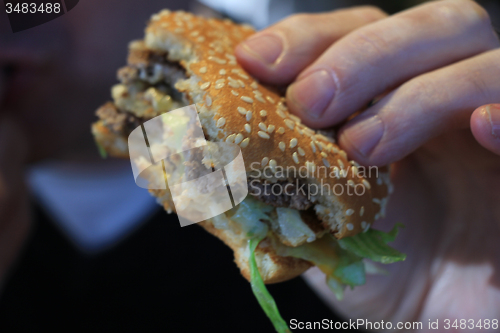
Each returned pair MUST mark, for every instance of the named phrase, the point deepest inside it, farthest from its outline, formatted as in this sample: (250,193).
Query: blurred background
(100,254)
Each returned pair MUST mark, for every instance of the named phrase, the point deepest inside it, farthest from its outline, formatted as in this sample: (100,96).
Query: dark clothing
(161,278)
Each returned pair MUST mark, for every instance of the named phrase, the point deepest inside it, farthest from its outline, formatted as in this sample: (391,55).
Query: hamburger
(275,235)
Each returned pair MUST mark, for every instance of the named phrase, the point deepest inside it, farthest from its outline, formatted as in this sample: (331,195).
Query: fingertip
(485,126)
(260,54)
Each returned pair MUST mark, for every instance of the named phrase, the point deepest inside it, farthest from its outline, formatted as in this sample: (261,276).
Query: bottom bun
(272,267)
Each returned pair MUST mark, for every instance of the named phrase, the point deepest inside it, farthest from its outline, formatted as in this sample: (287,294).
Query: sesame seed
(366,183)
(299,131)
(367,227)
(361,212)
(263,113)
(270,99)
(238,138)
(295,158)
(340,163)
(377,201)
(260,99)
(243,76)
(335,150)
(353,162)
(377,216)
(203,70)
(234,93)
(323,154)
(178,30)
(313,147)
(293,143)
(249,115)
(308,131)
(363,224)
(350,226)
(230,138)
(233,84)
(217,60)
(242,110)
(232,62)
(219,85)
(343,154)
(220,81)
(379,181)
(270,128)
(248,128)
(295,118)
(280,113)
(245,142)
(264,161)
(349,212)
(247,99)
(281,130)
(241,83)
(221,121)
(272,163)
(230,56)
(205,85)
(281,145)
(290,123)
(326,163)
(321,145)
(263,135)
(254,85)
(350,182)
(262,126)
(222,71)
(301,151)
(208,100)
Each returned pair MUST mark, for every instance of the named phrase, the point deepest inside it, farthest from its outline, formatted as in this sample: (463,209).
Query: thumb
(485,126)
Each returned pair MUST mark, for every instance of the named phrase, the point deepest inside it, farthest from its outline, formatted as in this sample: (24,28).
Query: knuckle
(464,11)
(480,88)
(371,42)
(421,91)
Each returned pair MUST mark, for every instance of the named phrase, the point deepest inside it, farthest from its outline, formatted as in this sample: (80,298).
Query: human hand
(434,70)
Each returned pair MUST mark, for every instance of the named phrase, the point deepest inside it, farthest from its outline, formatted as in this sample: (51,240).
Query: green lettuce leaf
(101,149)
(373,245)
(259,289)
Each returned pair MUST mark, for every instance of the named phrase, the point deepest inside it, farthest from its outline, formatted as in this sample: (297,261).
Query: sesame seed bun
(229,99)
(196,56)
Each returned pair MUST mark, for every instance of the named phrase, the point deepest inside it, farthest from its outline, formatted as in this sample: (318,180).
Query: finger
(485,126)
(277,54)
(421,109)
(386,53)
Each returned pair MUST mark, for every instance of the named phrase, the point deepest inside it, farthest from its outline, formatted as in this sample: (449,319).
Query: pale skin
(434,70)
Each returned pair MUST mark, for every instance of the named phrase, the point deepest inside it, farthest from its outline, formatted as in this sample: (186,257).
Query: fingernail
(313,93)
(364,133)
(494,119)
(266,48)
